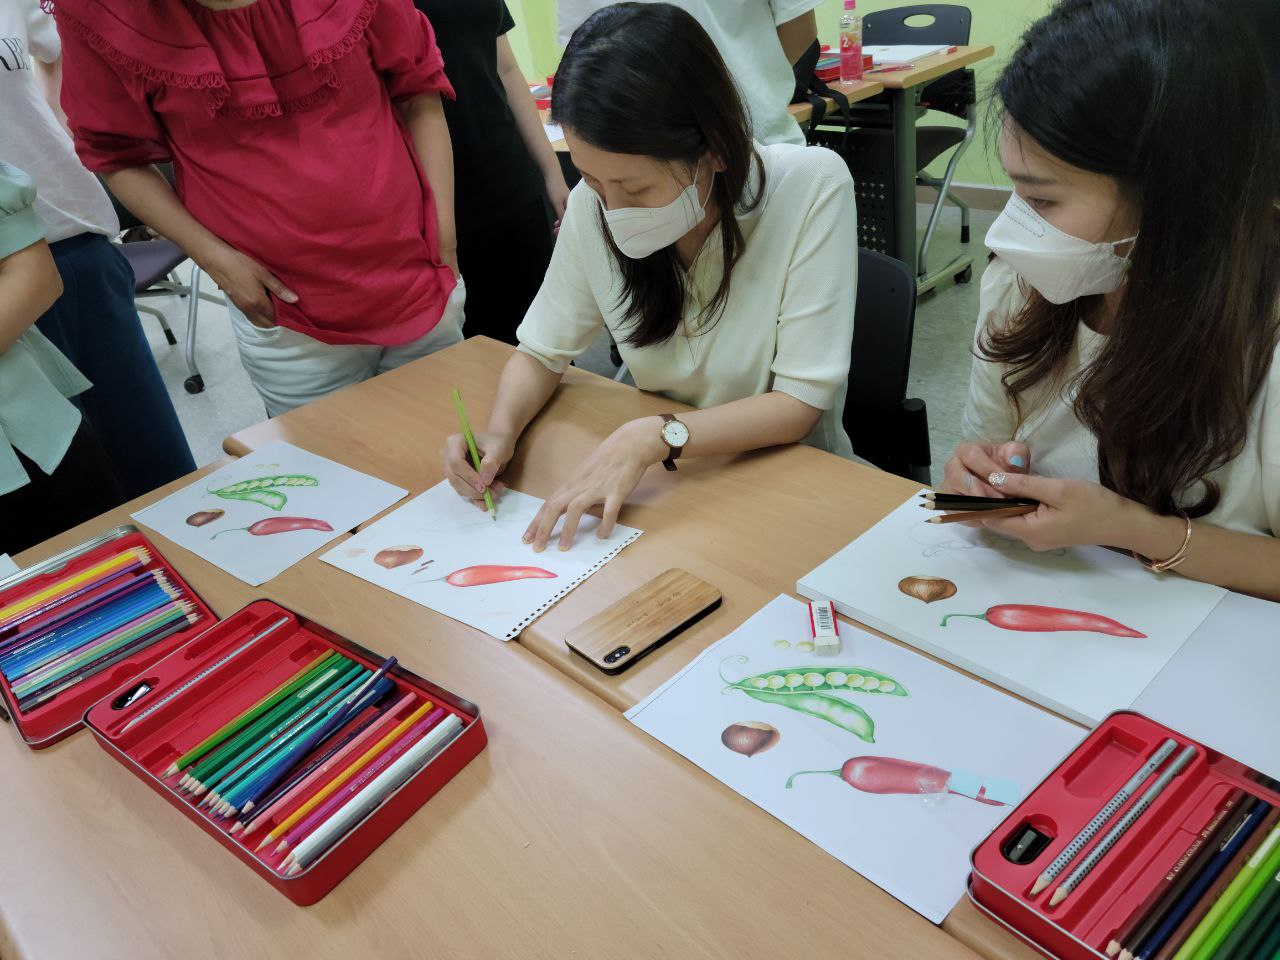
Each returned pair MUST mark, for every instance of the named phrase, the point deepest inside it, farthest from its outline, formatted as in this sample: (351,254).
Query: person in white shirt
(1127,361)
(94,323)
(759,41)
(724,269)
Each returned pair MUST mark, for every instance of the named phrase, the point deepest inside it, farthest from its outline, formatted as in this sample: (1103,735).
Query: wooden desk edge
(939,65)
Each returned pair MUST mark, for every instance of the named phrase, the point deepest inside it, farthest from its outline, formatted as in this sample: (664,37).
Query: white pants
(289,369)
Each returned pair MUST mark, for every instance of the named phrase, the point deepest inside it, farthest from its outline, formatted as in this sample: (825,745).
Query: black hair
(1169,98)
(645,79)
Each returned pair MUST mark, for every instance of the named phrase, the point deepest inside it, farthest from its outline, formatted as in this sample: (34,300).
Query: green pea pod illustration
(263,489)
(846,716)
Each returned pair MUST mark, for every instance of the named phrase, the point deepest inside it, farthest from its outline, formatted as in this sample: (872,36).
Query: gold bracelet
(1162,566)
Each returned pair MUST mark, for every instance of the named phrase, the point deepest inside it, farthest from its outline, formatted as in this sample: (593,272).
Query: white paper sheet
(421,550)
(554,133)
(1083,675)
(237,539)
(914,838)
(7,566)
(1234,660)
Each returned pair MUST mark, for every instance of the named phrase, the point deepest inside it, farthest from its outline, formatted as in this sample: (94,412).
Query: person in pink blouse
(312,168)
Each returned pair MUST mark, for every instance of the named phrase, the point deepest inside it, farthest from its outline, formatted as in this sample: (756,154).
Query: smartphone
(643,620)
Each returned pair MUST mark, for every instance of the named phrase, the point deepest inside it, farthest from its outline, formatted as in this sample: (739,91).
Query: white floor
(939,368)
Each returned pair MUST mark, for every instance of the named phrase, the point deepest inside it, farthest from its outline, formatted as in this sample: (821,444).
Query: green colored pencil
(1252,926)
(266,703)
(471,446)
(1191,947)
(270,750)
(1255,873)
(270,724)
(1270,947)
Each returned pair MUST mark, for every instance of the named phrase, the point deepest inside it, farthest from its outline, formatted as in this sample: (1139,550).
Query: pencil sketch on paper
(927,589)
(266,490)
(811,692)
(749,737)
(937,540)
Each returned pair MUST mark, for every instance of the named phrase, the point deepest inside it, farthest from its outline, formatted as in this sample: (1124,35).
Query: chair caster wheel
(965,275)
(194,384)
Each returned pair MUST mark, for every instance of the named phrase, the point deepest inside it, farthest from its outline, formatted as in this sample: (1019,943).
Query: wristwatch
(675,435)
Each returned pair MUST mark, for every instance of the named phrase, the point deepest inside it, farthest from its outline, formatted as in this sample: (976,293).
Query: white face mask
(1061,267)
(640,231)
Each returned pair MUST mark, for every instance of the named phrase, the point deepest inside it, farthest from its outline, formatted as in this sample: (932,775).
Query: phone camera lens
(617,655)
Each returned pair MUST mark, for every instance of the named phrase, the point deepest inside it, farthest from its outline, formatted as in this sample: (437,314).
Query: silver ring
(997,479)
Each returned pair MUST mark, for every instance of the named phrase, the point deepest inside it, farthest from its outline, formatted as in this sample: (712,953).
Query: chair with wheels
(154,263)
(955,93)
(886,427)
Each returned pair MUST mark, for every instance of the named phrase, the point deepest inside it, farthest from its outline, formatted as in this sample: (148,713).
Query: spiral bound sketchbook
(442,552)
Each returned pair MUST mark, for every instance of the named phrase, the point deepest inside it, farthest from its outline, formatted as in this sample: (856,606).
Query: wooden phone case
(643,620)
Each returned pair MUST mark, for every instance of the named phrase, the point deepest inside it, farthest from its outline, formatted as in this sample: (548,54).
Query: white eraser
(822,620)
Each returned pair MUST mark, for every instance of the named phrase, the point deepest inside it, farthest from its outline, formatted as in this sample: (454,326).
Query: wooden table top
(774,490)
(931,68)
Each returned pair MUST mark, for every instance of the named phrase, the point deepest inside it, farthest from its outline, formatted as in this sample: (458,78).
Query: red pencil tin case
(45,725)
(1080,927)
(181,721)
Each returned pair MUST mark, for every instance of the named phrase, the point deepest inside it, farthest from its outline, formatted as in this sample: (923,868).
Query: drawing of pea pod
(806,679)
(261,489)
(845,715)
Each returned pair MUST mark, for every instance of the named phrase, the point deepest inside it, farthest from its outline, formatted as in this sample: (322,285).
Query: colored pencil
(1225,931)
(964,500)
(84,601)
(1130,817)
(471,448)
(1211,895)
(343,794)
(313,773)
(134,556)
(349,771)
(237,722)
(1158,933)
(1103,816)
(1269,949)
(1255,922)
(968,515)
(1174,882)
(1197,944)
(261,753)
(372,796)
(49,693)
(296,753)
(203,674)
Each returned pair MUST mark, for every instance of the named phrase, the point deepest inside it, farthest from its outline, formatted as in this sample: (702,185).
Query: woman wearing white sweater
(724,269)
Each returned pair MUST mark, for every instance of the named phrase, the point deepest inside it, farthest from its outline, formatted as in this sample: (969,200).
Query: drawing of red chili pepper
(1032,619)
(265,528)
(889,775)
(483,575)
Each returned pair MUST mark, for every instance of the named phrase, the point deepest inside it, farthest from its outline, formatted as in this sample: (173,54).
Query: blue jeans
(96,325)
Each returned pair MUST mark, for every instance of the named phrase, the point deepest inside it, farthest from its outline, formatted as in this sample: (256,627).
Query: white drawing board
(914,765)
(263,513)
(440,551)
(1084,674)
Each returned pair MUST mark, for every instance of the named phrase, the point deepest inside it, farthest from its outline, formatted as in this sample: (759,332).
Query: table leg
(903,108)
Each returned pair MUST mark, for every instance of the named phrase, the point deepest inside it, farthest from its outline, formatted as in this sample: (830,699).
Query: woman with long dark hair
(724,269)
(1125,369)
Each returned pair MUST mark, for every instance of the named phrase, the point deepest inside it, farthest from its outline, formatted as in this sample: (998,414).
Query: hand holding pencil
(475,477)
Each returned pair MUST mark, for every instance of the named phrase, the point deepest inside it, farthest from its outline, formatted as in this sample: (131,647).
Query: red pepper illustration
(890,775)
(483,575)
(1032,619)
(264,528)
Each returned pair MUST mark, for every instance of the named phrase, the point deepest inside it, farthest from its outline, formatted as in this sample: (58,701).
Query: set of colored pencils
(312,757)
(958,508)
(58,636)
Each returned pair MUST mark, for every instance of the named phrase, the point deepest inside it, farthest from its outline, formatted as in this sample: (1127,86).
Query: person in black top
(505,172)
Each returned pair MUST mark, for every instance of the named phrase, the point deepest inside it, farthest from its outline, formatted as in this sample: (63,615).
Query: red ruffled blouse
(278,119)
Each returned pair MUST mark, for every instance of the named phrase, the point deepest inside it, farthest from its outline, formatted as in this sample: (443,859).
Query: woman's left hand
(1072,513)
(606,477)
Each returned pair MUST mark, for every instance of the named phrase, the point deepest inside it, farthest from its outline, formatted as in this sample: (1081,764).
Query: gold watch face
(675,433)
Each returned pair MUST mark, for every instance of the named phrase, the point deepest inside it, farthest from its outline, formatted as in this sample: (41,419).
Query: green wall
(997,22)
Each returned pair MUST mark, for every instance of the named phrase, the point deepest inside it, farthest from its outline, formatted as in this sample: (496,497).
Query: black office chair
(955,93)
(154,263)
(886,427)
